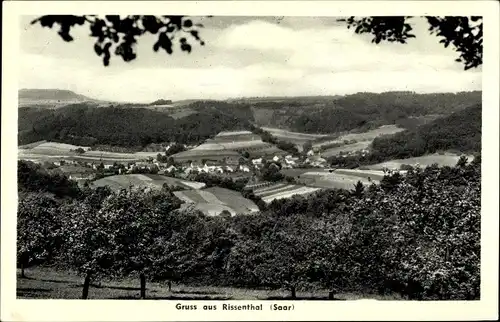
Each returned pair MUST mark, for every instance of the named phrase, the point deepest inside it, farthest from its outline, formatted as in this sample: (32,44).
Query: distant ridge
(51,94)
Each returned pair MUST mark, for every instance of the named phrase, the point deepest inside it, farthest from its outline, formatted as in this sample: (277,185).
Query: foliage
(32,177)
(417,234)
(86,125)
(362,111)
(464,33)
(39,233)
(121,33)
(459,131)
(113,31)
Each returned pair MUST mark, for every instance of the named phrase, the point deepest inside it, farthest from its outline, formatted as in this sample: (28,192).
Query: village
(232,167)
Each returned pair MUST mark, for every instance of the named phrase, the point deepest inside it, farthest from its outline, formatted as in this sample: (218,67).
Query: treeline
(85,125)
(460,131)
(365,110)
(417,235)
(269,138)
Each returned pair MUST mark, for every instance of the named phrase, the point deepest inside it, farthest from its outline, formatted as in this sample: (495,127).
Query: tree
(307,147)
(120,34)
(359,189)
(39,233)
(464,33)
(89,242)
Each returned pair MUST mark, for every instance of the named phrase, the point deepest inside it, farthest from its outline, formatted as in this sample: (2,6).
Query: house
(108,166)
(170,169)
(310,153)
(257,161)
(229,169)
(290,162)
(276,158)
(244,168)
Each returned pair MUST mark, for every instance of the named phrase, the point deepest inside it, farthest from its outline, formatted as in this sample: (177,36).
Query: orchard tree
(135,217)
(39,231)
(89,246)
(118,35)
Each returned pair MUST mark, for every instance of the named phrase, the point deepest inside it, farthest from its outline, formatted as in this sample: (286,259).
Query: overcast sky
(246,56)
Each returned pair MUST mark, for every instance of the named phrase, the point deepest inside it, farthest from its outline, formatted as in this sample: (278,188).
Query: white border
(108,310)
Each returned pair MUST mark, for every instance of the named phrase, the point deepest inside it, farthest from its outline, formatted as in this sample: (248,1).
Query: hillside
(366,110)
(51,98)
(51,94)
(460,131)
(87,125)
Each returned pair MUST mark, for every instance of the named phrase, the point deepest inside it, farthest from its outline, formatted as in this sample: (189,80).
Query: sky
(245,57)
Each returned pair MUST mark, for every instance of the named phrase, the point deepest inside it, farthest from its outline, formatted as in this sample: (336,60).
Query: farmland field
(47,151)
(212,201)
(340,178)
(153,181)
(229,144)
(296,138)
(364,136)
(447,159)
(363,139)
(282,190)
(346,148)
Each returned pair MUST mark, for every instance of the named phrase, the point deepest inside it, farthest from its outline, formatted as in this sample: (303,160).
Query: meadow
(49,283)
(445,159)
(282,190)
(363,140)
(340,178)
(153,181)
(212,201)
(52,151)
(229,144)
(296,138)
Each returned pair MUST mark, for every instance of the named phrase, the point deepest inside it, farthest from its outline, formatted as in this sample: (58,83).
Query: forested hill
(361,109)
(83,124)
(459,131)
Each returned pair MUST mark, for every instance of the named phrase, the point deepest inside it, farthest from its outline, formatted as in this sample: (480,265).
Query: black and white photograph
(265,160)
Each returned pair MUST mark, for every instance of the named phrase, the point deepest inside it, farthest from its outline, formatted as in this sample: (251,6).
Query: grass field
(296,138)
(282,191)
(363,136)
(52,151)
(447,159)
(363,139)
(346,148)
(153,181)
(212,201)
(229,144)
(339,178)
(46,283)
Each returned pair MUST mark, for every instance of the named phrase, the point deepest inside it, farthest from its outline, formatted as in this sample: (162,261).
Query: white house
(257,161)
(244,168)
(229,169)
(310,153)
(171,168)
(276,158)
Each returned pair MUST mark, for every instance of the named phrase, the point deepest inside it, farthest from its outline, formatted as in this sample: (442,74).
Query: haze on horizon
(246,57)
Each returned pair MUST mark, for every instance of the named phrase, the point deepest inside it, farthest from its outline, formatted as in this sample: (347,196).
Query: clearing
(446,159)
(212,201)
(330,178)
(53,151)
(153,181)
